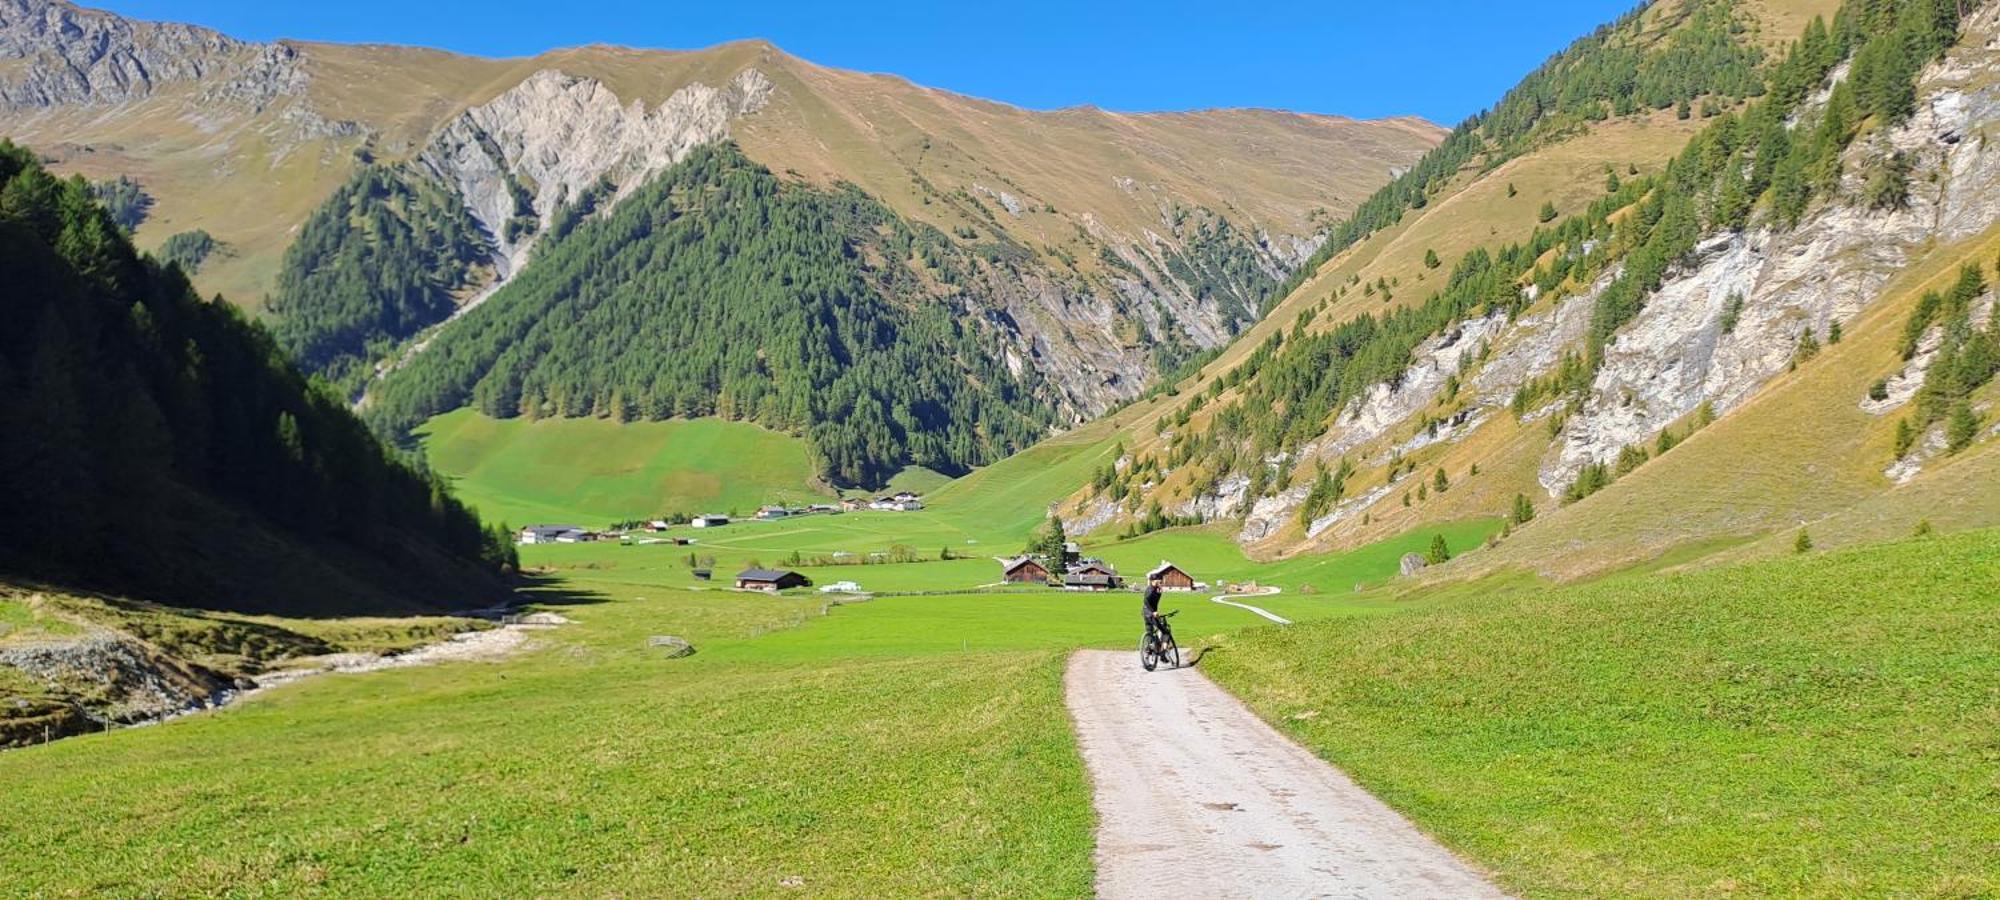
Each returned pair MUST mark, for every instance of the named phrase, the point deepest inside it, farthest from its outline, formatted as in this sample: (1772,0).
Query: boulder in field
(1413,563)
(674,647)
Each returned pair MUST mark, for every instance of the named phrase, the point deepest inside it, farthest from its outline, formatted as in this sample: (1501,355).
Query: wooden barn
(770,580)
(1024,570)
(1172,577)
(1078,581)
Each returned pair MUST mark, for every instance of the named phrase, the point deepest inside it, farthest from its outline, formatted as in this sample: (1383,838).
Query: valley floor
(1819,724)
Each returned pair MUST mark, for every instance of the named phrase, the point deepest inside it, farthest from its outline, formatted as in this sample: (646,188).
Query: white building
(709,521)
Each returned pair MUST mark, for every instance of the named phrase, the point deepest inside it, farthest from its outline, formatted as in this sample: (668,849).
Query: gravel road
(1197,797)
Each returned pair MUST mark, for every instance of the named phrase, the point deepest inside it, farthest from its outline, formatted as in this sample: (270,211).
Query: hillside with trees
(384,257)
(163,447)
(1312,429)
(720,289)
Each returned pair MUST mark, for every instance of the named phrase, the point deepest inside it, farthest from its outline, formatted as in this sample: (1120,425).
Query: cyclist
(1151,609)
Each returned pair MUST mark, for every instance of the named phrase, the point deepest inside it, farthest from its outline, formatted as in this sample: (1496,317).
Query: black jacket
(1152,599)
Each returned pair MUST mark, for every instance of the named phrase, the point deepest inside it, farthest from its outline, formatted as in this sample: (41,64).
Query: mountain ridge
(1089,205)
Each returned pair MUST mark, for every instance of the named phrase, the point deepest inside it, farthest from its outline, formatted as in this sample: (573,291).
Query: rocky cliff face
(519,157)
(55,54)
(1677,354)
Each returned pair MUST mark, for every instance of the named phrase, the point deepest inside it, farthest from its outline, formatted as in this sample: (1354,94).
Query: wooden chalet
(1172,577)
(1024,570)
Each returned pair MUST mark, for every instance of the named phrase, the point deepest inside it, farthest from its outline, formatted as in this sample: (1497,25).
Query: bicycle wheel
(1170,653)
(1147,659)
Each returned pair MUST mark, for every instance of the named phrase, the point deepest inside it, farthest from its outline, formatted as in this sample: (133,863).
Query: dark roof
(764,575)
(1012,564)
(1087,580)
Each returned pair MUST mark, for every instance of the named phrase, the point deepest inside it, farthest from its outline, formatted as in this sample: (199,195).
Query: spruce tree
(1524,510)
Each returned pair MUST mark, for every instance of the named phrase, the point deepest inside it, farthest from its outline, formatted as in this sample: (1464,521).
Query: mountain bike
(1157,645)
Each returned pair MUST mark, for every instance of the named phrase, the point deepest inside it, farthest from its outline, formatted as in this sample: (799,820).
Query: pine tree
(1962,428)
(1548,213)
(1524,510)
(1440,552)
(1802,543)
(1439,482)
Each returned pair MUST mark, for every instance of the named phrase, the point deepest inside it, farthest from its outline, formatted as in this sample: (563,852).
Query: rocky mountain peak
(54,53)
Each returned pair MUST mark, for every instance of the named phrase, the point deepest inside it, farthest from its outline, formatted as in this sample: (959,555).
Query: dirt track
(1197,797)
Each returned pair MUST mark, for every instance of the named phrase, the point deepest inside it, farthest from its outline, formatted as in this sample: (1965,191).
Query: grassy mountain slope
(1440,404)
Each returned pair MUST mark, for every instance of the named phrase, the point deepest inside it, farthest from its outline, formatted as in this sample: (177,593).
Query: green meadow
(902,745)
(1818,725)
(1821,724)
(594,471)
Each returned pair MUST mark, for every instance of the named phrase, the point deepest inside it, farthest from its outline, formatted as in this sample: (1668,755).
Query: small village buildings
(1172,577)
(853,504)
(1081,581)
(1091,575)
(1094,567)
(554,534)
(772,580)
(772,513)
(657,525)
(841,587)
(1024,570)
(1072,551)
(709,521)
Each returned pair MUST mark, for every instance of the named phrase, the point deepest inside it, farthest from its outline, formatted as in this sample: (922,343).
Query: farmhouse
(770,580)
(1024,570)
(1079,581)
(852,504)
(710,521)
(1096,568)
(770,513)
(553,534)
(1172,577)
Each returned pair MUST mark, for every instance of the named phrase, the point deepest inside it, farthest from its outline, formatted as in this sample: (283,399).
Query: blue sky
(1442,60)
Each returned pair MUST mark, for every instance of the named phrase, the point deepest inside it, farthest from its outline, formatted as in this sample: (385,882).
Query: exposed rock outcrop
(1676,354)
(125,680)
(546,141)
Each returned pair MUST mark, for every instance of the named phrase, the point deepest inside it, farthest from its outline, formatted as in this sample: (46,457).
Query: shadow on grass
(548,590)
